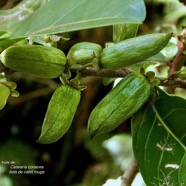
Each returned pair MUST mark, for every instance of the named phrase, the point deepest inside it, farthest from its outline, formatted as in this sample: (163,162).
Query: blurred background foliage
(74,160)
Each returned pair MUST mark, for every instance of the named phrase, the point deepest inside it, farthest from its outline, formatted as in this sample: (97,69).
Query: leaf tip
(43,139)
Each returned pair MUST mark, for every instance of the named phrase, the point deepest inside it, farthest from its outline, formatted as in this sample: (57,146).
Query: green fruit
(4,94)
(82,53)
(37,60)
(133,50)
(119,104)
(60,113)
(120,33)
(124,31)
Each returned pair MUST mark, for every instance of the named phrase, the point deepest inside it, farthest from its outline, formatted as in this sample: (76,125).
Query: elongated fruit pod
(36,60)
(120,33)
(4,94)
(124,31)
(60,113)
(119,104)
(83,52)
(133,50)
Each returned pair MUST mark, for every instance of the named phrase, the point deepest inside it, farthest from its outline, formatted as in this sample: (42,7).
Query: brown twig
(176,82)
(180,58)
(130,174)
(89,71)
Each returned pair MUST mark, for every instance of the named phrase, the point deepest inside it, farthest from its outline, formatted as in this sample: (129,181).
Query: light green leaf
(64,16)
(10,18)
(159,141)
(156,59)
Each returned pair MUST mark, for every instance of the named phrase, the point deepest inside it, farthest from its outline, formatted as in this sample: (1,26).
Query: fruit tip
(92,134)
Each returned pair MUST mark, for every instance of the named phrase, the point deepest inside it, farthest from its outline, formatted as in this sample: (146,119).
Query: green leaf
(10,18)
(159,140)
(64,16)
(171,49)
(158,58)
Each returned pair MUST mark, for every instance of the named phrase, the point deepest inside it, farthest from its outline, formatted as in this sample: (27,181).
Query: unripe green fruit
(133,50)
(4,94)
(36,60)
(119,104)
(82,53)
(60,113)
(124,31)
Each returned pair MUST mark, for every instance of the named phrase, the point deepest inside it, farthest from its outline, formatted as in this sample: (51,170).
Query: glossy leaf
(159,140)
(64,16)
(159,58)
(10,18)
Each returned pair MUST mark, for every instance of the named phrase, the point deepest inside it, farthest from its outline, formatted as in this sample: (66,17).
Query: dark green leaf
(64,16)
(159,140)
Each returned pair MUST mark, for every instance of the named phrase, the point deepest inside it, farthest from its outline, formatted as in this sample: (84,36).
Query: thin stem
(173,82)
(119,73)
(89,71)
(130,174)
(180,58)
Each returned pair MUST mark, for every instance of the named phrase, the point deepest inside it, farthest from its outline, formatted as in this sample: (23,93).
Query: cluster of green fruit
(117,106)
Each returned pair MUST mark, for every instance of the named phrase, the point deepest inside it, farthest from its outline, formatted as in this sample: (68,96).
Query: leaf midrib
(169,131)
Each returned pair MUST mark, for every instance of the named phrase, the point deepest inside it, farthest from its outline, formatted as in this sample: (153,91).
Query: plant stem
(119,73)
(180,58)
(130,174)
(173,83)
(89,71)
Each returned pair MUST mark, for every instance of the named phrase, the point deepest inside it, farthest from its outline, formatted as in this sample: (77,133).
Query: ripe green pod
(82,53)
(124,31)
(119,104)
(133,50)
(36,60)
(60,113)
(4,94)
